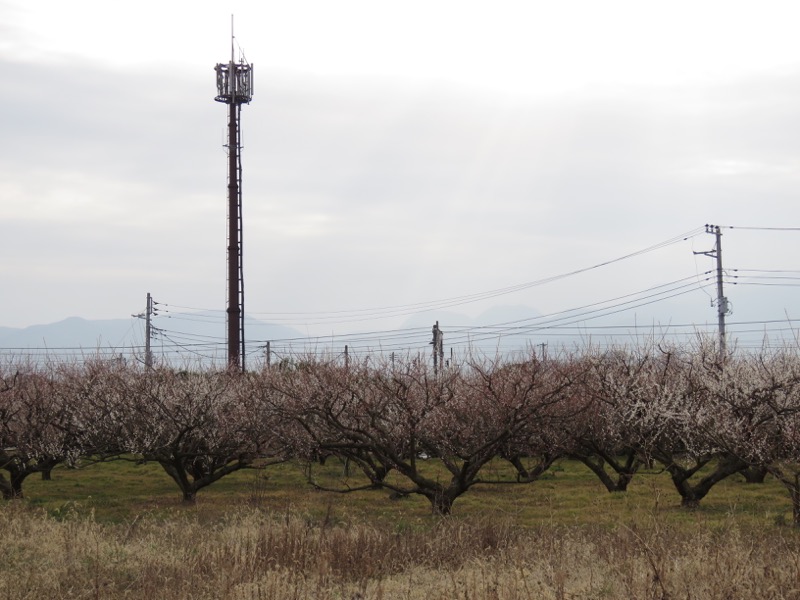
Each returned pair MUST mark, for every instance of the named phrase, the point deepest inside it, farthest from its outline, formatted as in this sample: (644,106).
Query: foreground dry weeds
(256,555)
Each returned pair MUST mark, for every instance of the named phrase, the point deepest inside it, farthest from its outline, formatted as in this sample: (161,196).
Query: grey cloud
(367,195)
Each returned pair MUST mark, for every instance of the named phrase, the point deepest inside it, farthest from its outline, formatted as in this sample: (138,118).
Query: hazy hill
(79,333)
(73,332)
(495,315)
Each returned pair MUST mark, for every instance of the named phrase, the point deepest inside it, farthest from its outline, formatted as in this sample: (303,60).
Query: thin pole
(722,301)
(148,354)
(438,348)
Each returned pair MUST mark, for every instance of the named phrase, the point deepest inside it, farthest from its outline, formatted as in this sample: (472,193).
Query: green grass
(568,494)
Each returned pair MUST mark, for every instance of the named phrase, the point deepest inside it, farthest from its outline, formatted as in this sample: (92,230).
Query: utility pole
(543,348)
(148,331)
(723,308)
(438,347)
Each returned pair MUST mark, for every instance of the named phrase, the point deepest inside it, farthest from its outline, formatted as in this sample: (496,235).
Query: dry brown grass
(253,554)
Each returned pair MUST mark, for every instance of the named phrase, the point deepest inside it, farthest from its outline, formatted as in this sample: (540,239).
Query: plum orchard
(613,409)
(397,416)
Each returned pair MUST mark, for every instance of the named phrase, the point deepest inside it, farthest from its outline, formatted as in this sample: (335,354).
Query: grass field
(568,494)
(119,530)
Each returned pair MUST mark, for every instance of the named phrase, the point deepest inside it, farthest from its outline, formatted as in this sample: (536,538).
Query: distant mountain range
(75,333)
(202,335)
(79,333)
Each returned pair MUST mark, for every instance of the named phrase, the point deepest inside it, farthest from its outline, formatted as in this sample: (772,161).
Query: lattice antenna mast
(234,88)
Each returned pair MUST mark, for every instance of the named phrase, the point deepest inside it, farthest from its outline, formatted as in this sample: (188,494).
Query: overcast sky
(399,154)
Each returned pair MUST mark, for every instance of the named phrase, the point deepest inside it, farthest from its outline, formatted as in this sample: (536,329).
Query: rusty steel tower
(234,88)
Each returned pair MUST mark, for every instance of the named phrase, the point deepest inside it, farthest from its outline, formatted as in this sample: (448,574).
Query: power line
(457,335)
(751,228)
(402,338)
(366,314)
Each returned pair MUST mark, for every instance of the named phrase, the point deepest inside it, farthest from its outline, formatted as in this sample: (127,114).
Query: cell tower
(234,88)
